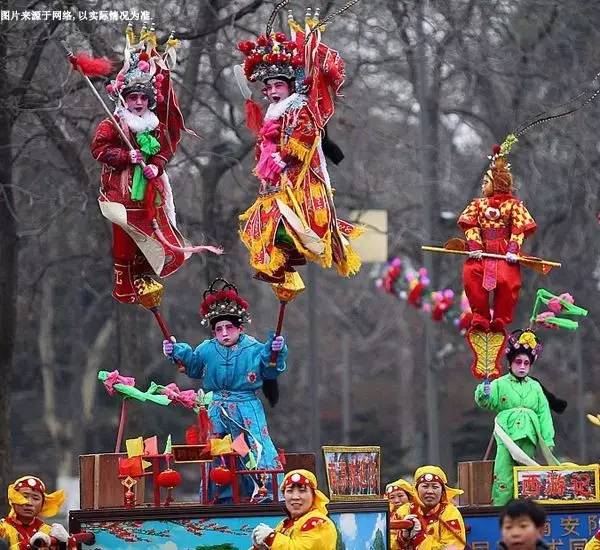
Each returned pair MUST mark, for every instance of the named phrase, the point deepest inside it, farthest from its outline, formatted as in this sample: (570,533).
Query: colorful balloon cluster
(405,283)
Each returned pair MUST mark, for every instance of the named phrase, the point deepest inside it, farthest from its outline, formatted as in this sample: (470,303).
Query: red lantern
(169,478)
(221,476)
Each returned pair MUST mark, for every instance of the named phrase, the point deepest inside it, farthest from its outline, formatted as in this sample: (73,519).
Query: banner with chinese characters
(567,527)
(557,484)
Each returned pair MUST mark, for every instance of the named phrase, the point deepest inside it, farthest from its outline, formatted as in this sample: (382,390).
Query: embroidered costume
(440,527)
(294,218)
(234,374)
(524,420)
(496,224)
(130,200)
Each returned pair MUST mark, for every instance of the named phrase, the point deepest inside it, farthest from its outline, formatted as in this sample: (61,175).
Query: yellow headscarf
(52,501)
(400,484)
(304,477)
(435,473)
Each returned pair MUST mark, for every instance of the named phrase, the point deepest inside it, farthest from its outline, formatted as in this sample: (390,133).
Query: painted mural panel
(356,531)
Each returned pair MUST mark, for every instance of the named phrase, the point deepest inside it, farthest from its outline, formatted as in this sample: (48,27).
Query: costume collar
(137,124)
(276,110)
(517,379)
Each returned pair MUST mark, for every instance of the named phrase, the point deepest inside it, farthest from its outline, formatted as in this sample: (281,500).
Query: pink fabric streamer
(543,317)
(115,378)
(267,168)
(554,304)
(184,249)
(185,398)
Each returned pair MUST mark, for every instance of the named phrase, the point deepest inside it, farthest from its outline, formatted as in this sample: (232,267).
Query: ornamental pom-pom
(159,78)
(262,40)
(496,149)
(246,46)
(281,37)
(144,57)
(144,66)
(289,45)
(110,89)
(91,66)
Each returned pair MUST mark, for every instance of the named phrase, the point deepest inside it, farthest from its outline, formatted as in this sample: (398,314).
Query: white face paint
(276,90)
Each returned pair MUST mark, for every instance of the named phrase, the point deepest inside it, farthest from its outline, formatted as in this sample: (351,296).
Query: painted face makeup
(276,90)
(137,103)
(521,365)
(226,333)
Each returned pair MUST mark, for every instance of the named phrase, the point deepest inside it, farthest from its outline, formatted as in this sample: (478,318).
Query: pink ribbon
(186,398)
(115,378)
(267,168)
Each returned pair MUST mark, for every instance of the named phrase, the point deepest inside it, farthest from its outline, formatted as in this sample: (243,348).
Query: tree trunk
(8,271)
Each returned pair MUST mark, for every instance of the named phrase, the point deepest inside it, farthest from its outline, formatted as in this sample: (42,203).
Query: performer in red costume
(135,192)
(497,223)
(294,218)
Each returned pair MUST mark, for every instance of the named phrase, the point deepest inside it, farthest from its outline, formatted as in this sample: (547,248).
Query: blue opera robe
(234,374)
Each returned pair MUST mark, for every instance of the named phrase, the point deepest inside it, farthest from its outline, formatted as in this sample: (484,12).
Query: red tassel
(91,66)
(204,425)
(254,116)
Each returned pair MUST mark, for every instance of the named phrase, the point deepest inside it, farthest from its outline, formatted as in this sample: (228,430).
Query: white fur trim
(276,110)
(148,121)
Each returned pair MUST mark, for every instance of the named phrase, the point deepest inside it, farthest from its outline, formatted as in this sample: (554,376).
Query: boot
(278,276)
(123,289)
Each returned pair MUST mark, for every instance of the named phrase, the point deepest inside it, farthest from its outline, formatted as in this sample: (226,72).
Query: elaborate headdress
(316,69)
(499,169)
(307,479)
(224,303)
(523,341)
(52,501)
(148,71)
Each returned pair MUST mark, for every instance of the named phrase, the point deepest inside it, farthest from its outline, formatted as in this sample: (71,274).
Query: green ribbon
(149,146)
(132,392)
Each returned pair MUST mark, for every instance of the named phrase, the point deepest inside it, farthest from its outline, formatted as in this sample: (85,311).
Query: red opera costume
(496,223)
(134,146)
(294,217)
(136,251)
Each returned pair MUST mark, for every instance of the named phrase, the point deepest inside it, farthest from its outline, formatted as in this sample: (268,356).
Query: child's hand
(277,343)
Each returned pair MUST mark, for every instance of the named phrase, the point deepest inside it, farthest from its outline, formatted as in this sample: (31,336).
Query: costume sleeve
(490,402)
(315,534)
(193,360)
(593,543)
(302,138)
(266,371)
(469,223)
(522,225)
(396,541)
(452,529)
(166,152)
(545,417)
(107,146)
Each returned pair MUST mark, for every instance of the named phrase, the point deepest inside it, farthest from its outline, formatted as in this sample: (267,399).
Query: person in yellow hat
(594,542)
(437,523)
(307,526)
(399,492)
(23,528)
